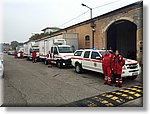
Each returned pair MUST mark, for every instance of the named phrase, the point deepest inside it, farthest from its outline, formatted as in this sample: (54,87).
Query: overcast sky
(20,18)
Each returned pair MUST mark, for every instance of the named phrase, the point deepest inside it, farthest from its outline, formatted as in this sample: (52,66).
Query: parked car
(90,60)
(1,66)
(10,52)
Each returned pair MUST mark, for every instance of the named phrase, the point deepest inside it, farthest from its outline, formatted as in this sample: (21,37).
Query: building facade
(49,30)
(120,29)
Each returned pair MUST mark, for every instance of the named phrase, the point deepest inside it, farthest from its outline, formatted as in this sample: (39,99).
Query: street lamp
(88,8)
(92,24)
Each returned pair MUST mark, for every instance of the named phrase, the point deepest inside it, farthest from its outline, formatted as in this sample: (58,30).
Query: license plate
(135,73)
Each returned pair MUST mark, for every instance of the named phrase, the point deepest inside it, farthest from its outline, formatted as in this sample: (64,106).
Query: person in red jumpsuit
(21,54)
(15,54)
(34,57)
(49,56)
(118,62)
(107,60)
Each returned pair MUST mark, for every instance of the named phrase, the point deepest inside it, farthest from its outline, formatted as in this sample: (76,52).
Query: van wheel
(132,77)
(45,62)
(27,58)
(38,59)
(59,64)
(78,68)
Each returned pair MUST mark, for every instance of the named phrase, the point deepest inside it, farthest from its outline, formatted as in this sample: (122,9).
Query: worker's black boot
(117,85)
(109,83)
(105,82)
(120,85)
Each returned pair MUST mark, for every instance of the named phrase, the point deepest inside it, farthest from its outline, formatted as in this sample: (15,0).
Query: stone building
(49,30)
(119,29)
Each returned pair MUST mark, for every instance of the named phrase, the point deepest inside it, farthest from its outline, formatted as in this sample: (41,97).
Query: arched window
(87,41)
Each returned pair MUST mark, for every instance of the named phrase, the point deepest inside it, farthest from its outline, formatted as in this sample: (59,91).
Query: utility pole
(92,23)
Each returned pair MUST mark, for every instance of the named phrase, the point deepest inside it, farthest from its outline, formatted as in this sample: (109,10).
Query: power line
(88,11)
(74,18)
(106,4)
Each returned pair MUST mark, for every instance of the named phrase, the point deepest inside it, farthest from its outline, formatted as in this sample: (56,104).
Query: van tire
(45,62)
(27,58)
(78,68)
(59,64)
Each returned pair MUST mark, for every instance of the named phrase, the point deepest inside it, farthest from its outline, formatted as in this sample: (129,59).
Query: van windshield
(65,50)
(36,50)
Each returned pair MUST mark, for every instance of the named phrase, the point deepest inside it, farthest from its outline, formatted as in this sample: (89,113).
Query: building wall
(102,24)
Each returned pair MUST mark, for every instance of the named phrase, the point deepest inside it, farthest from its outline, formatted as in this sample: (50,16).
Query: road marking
(110,99)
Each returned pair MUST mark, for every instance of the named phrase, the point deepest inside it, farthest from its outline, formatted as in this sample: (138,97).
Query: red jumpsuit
(49,56)
(118,62)
(15,54)
(107,60)
(34,57)
(21,54)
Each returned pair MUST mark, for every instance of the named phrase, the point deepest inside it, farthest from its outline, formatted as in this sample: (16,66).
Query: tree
(38,36)
(14,44)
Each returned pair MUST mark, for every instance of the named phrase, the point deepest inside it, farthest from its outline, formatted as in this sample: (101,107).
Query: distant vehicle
(20,49)
(1,66)
(29,48)
(32,49)
(11,52)
(19,54)
(5,51)
(1,56)
(89,59)
(25,46)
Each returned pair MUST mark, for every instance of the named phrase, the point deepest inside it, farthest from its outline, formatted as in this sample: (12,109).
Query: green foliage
(14,44)
(38,36)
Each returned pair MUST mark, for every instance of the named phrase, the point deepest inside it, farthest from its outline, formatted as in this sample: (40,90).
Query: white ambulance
(89,59)
(58,48)
(59,53)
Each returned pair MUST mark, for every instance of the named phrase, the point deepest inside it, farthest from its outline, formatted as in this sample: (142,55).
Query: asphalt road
(34,84)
